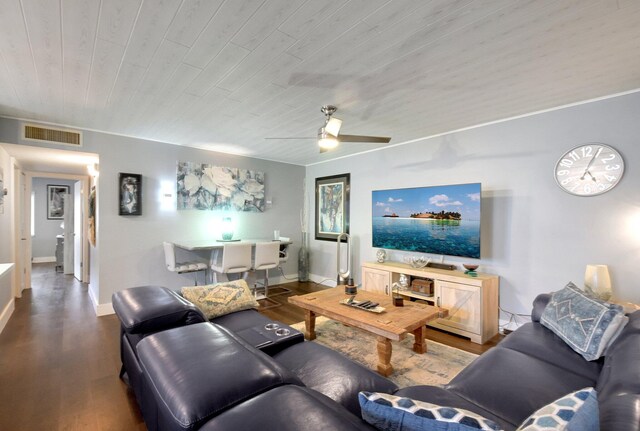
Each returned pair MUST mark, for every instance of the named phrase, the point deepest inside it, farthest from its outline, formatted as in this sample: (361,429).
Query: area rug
(436,367)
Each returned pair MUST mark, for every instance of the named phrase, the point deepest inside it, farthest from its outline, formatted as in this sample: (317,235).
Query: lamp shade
(597,281)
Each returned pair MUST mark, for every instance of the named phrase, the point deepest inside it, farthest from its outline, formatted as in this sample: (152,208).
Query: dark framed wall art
(332,206)
(130,186)
(55,201)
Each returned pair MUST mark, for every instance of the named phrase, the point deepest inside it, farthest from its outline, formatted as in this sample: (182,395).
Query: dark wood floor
(59,363)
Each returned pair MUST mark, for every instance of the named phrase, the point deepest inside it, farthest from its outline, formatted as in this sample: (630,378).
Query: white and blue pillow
(577,411)
(588,325)
(391,413)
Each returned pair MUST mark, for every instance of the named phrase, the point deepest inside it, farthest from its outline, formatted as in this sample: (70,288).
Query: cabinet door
(376,280)
(464,305)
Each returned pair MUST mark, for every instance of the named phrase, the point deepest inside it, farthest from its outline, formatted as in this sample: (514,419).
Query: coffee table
(391,325)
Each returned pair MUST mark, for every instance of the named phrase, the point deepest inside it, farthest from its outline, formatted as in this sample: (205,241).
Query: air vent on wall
(33,132)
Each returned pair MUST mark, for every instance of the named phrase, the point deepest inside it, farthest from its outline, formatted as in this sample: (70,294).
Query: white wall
(129,249)
(43,244)
(534,235)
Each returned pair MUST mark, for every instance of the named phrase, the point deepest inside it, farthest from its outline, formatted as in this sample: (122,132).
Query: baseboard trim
(6,314)
(45,259)
(105,309)
(100,309)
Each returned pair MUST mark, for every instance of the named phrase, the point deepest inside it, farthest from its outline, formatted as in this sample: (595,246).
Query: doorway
(57,213)
(30,162)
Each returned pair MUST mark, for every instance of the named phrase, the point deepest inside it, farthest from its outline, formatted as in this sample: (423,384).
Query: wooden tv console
(472,301)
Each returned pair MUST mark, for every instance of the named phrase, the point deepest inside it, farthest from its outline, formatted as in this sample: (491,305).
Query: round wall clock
(589,169)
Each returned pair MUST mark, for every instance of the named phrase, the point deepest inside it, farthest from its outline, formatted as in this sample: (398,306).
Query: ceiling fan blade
(333,126)
(306,137)
(360,138)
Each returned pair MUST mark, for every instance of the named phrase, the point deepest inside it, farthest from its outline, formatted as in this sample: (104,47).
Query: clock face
(589,170)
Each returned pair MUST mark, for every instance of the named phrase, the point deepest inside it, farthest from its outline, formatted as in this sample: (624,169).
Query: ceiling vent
(37,133)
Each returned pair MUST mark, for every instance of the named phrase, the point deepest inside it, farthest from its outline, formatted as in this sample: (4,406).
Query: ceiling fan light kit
(326,140)
(329,136)
(333,126)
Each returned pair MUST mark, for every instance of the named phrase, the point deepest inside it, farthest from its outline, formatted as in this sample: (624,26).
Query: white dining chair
(183,267)
(234,259)
(267,256)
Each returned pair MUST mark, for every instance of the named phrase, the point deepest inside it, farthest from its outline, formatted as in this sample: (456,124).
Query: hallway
(59,363)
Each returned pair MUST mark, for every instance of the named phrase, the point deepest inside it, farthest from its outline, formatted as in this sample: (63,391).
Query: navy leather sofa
(532,367)
(188,373)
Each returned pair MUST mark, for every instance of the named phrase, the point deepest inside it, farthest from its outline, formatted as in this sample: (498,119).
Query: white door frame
(20,230)
(78,238)
(84,179)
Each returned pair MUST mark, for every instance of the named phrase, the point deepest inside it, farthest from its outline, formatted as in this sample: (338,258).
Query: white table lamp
(598,282)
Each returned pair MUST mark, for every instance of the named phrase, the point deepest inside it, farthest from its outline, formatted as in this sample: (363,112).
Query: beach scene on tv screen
(438,220)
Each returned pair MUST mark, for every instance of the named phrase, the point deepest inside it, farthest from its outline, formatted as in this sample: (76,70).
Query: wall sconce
(227,229)
(597,281)
(166,195)
(93,170)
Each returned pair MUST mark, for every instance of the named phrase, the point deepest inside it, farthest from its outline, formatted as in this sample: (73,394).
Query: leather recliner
(191,374)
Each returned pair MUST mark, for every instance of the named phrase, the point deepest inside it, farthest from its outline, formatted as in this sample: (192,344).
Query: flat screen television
(439,219)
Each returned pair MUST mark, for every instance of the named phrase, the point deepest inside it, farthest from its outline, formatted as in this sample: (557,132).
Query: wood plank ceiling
(223,75)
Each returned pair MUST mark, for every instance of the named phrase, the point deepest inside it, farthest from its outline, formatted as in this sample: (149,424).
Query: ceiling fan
(329,135)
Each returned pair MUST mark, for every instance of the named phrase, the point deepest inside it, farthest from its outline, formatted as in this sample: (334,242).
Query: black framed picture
(55,201)
(332,206)
(130,186)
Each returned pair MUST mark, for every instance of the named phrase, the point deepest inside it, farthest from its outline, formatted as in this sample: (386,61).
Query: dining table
(216,246)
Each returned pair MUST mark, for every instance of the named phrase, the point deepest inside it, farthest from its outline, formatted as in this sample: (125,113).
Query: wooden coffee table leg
(384,356)
(309,325)
(419,344)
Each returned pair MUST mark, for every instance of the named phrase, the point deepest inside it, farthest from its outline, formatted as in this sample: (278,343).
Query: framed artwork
(55,201)
(201,186)
(130,186)
(332,206)
(92,216)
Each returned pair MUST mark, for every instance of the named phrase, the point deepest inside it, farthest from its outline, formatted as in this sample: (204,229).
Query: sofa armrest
(539,304)
(148,309)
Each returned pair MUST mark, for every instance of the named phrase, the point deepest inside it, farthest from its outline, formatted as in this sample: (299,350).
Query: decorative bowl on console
(417,261)
(471,269)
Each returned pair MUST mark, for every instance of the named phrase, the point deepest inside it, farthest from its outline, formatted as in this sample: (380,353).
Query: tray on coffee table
(356,304)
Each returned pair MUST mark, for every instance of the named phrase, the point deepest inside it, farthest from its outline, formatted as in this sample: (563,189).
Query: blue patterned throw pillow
(585,323)
(390,413)
(577,411)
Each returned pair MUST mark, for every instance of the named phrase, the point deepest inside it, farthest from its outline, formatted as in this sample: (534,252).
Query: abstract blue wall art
(202,186)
